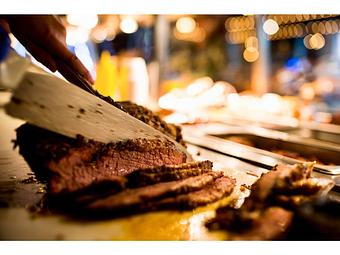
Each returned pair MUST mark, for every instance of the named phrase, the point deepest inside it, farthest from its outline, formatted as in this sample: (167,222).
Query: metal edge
(248,153)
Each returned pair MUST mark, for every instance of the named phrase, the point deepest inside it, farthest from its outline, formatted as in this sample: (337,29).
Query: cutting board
(16,196)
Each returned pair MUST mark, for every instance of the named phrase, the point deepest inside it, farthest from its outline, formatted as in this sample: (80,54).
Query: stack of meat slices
(139,174)
(268,212)
(183,186)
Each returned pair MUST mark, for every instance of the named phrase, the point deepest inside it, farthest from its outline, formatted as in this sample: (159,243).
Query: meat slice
(147,176)
(145,197)
(287,180)
(73,164)
(143,177)
(221,187)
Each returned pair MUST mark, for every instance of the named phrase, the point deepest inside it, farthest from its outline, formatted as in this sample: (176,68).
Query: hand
(45,38)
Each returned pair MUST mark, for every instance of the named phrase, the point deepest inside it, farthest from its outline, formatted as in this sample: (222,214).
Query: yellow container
(107,76)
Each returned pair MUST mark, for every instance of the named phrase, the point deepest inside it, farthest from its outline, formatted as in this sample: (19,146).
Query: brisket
(148,196)
(147,176)
(143,177)
(138,174)
(73,164)
(221,187)
(268,212)
(271,223)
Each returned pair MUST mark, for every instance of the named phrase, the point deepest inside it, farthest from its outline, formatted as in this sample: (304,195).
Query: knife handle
(80,81)
(74,77)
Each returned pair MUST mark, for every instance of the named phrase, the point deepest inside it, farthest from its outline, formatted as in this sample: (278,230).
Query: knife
(54,104)
(73,77)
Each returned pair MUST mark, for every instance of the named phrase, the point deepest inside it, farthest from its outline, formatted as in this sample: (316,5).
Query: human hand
(44,37)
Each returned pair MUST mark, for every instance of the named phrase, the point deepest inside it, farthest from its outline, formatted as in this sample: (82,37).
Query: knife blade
(54,104)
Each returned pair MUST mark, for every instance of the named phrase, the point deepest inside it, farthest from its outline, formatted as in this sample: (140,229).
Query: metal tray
(326,155)
(319,131)
(314,130)
(308,129)
(264,141)
(316,134)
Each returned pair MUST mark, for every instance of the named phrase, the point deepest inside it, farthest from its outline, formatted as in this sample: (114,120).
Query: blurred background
(198,68)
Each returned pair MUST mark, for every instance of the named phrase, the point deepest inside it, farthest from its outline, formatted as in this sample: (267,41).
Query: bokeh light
(85,21)
(270,27)
(317,41)
(185,25)
(128,25)
(250,54)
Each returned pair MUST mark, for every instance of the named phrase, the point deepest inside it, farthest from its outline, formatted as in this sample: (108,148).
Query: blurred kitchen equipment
(134,77)
(123,78)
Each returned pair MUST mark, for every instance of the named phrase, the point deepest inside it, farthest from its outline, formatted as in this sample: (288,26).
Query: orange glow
(307,92)
(198,35)
(251,54)
(306,41)
(251,42)
(317,41)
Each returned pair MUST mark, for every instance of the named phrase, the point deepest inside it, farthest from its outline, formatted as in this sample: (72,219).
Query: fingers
(60,50)
(50,62)
(4,25)
(68,75)
(47,42)
(76,64)
(40,54)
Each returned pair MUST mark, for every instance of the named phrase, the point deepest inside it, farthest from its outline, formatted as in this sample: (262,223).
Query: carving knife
(54,104)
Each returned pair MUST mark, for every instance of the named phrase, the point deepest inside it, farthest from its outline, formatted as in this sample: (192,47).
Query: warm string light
(288,19)
(236,24)
(251,42)
(239,37)
(270,27)
(251,52)
(300,30)
(314,42)
(289,26)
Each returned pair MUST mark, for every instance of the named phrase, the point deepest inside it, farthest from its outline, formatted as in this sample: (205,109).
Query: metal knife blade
(54,104)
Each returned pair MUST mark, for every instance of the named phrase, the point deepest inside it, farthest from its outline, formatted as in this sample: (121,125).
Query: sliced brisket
(73,164)
(143,177)
(268,212)
(271,223)
(147,176)
(221,187)
(148,196)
